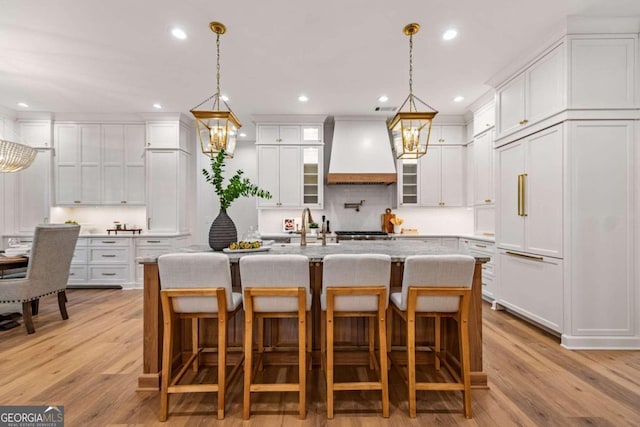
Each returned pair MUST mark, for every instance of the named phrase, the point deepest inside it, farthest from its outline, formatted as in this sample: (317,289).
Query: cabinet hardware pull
(487,200)
(481,246)
(524,194)
(108,274)
(487,124)
(520,195)
(72,274)
(123,201)
(149,223)
(154,241)
(76,201)
(525,121)
(108,256)
(108,241)
(537,258)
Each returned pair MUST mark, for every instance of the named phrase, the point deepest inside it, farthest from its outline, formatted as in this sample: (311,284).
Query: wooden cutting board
(387,226)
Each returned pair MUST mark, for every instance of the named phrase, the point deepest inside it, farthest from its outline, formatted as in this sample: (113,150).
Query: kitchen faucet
(306,215)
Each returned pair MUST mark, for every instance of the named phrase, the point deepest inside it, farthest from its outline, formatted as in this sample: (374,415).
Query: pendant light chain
(412,105)
(217,104)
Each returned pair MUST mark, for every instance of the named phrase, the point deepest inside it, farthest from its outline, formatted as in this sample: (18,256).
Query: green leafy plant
(314,225)
(237,187)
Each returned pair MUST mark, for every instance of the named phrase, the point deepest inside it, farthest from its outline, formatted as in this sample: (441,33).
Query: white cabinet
(602,71)
(280,172)
(532,287)
(168,134)
(437,179)
(99,164)
(602,220)
(292,174)
(78,157)
(530,194)
(101,262)
(293,134)
(483,169)
(483,249)
(32,197)
(35,133)
(447,135)
(166,177)
(123,164)
(536,93)
(484,118)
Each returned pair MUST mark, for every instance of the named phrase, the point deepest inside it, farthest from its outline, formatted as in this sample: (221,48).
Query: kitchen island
(283,332)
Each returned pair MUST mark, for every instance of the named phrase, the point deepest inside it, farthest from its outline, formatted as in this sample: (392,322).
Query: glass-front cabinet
(409,176)
(312,178)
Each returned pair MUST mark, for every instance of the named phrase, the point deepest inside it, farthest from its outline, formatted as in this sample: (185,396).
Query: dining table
(10,263)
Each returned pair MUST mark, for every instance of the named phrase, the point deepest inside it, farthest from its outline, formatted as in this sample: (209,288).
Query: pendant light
(410,128)
(218,127)
(15,157)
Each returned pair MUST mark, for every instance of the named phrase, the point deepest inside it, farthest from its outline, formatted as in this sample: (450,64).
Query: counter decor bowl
(223,231)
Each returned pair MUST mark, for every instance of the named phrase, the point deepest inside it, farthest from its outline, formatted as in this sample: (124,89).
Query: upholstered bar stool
(436,286)
(356,286)
(275,286)
(195,286)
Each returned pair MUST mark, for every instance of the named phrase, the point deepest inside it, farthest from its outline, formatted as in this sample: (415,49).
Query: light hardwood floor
(90,364)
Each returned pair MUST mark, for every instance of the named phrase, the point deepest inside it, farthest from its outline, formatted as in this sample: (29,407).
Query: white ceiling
(118,56)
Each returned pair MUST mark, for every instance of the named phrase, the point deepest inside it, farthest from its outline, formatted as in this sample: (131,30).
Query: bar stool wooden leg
(309,338)
(411,354)
(323,341)
(437,338)
(261,321)
(372,342)
(389,332)
(222,362)
(302,351)
(248,343)
(167,351)
(384,374)
(463,325)
(195,342)
(329,350)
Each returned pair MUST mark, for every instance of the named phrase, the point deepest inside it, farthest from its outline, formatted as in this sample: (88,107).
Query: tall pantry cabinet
(568,187)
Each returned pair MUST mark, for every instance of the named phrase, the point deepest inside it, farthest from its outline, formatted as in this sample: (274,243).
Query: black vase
(222,232)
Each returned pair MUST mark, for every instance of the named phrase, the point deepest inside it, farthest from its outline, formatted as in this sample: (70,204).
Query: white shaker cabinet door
(452,175)
(430,187)
(544,193)
(511,168)
(290,176)
(511,99)
(268,174)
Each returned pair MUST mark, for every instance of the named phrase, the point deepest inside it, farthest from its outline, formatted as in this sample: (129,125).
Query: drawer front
(108,274)
(485,247)
(109,256)
(79,255)
(109,242)
(152,242)
(78,274)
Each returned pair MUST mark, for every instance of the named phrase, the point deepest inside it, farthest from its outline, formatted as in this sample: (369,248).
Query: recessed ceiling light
(23,104)
(157,106)
(225,98)
(449,34)
(303,98)
(242,135)
(383,98)
(458,98)
(179,33)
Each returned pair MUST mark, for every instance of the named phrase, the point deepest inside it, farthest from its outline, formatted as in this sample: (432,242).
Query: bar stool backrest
(436,271)
(195,270)
(355,270)
(275,271)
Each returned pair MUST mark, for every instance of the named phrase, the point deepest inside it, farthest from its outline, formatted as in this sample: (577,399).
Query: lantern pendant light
(410,128)
(217,128)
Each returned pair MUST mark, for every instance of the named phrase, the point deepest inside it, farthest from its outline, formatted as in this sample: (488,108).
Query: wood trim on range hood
(362,178)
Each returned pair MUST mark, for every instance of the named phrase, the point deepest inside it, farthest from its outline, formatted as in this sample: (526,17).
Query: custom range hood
(361,152)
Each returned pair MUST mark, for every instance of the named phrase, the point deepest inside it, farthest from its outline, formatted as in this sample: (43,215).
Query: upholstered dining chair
(356,286)
(195,286)
(47,272)
(275,286)
(436,286)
